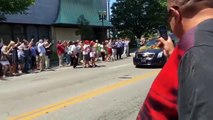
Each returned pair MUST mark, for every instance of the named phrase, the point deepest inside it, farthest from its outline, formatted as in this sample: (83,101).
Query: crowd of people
(91,51)
(25,56)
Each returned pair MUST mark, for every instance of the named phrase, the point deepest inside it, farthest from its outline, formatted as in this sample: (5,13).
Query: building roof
(43,12)
(62,12)
(71,10)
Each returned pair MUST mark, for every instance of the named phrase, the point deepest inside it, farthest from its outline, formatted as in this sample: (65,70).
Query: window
(19,32)
(43,32)
(5,33)
(32,32)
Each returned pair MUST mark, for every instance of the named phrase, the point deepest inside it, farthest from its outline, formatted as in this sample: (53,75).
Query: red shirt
(161,101)
(60,49)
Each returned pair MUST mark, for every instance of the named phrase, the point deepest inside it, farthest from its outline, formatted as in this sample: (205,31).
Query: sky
(111,2)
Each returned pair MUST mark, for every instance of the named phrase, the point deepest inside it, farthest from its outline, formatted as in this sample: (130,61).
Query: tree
(84,29)
(139,16)
(127,34)
(13,7)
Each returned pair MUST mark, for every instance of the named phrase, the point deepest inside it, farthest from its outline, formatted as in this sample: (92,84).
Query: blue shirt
(33,51)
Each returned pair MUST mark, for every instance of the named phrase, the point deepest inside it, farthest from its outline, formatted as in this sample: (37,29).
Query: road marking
(115,67)
(53,107)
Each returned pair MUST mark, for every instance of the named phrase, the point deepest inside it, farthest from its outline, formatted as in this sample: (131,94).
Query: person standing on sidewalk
(79,53)
(4,61)
(103,51)
(98,50)
(69,52)
(109,50)
(74,51)
(86,54)
(1,66)
(114,50)
(21,57)
(93,54)
(47,46)
(42,53)
(182,90)
(119,46)
(126,47)
(33,56)
(60,51)
(14,57)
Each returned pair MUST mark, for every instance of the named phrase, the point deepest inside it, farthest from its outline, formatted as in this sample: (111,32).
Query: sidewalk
(54,67)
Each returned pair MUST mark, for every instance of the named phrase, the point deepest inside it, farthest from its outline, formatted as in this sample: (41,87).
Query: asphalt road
(113,91)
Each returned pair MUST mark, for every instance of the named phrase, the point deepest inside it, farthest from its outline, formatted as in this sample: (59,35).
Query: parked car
(149,55)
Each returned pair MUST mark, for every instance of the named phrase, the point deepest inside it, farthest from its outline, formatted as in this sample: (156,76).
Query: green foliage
(54,56)
(84,29)
(13,7)
(128,34)
(139,16)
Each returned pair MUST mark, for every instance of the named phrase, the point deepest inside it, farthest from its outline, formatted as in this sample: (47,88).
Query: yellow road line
(53,107)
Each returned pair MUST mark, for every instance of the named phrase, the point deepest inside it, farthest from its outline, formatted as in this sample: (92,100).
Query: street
(113,91)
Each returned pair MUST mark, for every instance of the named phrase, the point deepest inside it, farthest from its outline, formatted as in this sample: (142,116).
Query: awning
(71,10)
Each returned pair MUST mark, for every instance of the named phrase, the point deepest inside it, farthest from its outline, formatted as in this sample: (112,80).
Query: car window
(151,43)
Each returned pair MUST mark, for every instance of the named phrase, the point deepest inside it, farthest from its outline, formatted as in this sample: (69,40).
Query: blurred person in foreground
(183,88)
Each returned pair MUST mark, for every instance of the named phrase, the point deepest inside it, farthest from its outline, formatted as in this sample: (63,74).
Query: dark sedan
(149,55)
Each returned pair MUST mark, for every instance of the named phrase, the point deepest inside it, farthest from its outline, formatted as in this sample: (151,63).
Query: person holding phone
(182,90)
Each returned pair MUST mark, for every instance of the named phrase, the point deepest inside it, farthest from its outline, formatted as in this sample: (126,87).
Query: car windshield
(151,42)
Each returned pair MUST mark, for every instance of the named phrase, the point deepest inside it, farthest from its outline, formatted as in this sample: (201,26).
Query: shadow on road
(149,67)
(98,66)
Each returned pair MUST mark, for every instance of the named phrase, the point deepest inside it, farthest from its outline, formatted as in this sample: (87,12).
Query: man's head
(41,41)
(184,14)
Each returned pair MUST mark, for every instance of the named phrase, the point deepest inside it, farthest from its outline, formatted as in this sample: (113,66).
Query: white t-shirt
(74,50)
(41,49)
(86,49)
(69,49)
(126,44)
(21,50)
(92,52)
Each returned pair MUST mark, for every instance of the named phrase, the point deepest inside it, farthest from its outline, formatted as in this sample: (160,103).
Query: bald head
(186,14)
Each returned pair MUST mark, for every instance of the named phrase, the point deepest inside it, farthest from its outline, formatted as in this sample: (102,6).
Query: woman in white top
(93,54)
(86,54)
(21,57)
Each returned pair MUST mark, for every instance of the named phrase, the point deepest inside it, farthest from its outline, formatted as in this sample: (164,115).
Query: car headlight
(160,54)
(148,56)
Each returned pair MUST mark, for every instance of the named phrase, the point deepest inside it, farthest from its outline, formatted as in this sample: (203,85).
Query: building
(56,20)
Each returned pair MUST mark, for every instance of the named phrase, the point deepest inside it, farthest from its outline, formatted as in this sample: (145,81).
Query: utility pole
(108,10)
(102,17)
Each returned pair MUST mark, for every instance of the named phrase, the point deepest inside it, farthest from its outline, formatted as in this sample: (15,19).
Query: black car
(149,55)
